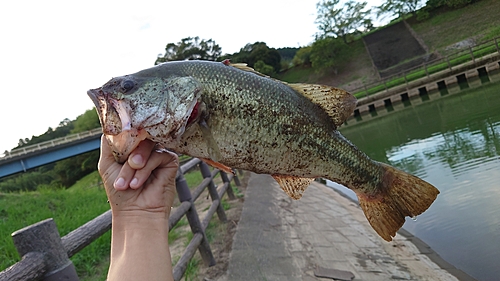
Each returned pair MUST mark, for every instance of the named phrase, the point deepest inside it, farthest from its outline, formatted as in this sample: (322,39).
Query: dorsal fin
(337,103)
(245,67)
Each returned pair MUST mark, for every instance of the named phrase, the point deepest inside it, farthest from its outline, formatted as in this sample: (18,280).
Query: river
(454,143)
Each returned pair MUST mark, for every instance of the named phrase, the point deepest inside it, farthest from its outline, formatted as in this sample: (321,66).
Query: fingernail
(137,159)
(120,183)
(134,182)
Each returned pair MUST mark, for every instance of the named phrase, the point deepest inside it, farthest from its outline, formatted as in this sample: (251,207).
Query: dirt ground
(222,240)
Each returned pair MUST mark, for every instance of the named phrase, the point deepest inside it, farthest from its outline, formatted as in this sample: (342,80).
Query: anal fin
(293,186)
(218,165)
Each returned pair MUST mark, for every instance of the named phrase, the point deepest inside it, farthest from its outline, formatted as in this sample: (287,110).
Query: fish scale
(245,120)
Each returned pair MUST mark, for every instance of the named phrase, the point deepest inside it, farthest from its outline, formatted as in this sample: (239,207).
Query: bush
(264,68)
(302,57)
(328,52)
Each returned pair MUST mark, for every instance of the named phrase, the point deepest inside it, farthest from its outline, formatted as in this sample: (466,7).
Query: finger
(156,160)
(124,178)
(139,156)
(106,158)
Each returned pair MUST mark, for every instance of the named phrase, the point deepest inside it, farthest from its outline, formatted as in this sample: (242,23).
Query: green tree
(87,121)
(333,20)
(68,171)
(302,57)
(258,51)
(399,8)
(191,48)
(264,68)
(327,52)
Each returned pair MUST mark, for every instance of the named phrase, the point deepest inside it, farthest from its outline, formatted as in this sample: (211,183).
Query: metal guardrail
(45,255)
(50,143)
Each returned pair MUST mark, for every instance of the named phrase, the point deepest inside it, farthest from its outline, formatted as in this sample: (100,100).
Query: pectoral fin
(293,186)
(218,165)
(213,148)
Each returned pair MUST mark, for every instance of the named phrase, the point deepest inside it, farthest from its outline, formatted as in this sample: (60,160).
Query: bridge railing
(50,143)
(45,255)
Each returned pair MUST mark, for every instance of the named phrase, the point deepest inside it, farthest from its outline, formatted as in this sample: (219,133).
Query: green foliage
(85,122)
(302,57)
(25,182)
(264,68)
(191,48)
(340,22)
(62,130)
(258,51)
(398,8)
(68,171)
(287,53)
(327,52)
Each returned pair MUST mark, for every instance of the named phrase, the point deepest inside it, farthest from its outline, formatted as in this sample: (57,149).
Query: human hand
(145,183)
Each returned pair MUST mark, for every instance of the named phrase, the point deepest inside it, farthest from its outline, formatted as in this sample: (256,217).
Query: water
(453,143)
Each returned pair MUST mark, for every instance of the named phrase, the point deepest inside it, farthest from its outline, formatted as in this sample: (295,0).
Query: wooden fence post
(212,190)
(184,194)
(225,179)
(43,237)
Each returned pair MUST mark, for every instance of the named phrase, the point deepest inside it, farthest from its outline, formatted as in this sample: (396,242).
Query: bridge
(32,156)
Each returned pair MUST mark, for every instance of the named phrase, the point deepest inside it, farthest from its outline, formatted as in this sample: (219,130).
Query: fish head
(133,108)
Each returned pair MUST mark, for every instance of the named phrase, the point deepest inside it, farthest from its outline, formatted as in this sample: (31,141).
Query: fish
(233,117)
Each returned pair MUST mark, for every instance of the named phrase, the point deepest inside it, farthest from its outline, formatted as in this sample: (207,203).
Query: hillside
(442,33)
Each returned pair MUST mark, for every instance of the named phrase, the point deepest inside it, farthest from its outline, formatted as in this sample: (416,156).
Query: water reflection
(453,143)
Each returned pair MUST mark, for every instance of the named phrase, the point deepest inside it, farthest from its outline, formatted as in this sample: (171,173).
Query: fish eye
(127,85)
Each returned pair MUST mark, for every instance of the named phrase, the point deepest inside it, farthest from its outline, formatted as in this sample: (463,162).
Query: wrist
(139,219)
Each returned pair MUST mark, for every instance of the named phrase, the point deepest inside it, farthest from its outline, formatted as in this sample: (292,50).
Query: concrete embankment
(468,75)
(281,239)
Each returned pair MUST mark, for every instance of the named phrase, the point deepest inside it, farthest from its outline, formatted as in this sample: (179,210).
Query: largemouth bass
(233,117)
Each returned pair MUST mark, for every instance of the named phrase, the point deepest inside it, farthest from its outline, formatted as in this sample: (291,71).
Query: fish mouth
(116,125)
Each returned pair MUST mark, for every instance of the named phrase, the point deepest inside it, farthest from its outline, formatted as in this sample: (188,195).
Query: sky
(52,52)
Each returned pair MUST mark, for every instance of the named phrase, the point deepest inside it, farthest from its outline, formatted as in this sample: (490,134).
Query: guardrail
(51,143)
(45,255)
(472,54)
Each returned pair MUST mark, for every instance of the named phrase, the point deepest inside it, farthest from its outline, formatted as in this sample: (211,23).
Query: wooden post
(225,179)
(212,190)
(184,194)
(236,178)
(43,237)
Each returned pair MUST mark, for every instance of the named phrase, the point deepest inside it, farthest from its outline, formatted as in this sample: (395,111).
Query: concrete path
(281,239)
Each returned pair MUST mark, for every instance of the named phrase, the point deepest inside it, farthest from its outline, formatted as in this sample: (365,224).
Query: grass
(70,208)
(296,74)
(477,20)
(193,178)
(175,233)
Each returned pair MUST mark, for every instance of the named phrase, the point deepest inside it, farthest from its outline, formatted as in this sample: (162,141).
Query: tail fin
(401,195)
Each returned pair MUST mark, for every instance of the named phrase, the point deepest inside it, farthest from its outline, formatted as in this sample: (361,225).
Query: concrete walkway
(281,239)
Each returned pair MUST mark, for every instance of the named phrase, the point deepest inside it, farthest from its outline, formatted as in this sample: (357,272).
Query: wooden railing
(45,255)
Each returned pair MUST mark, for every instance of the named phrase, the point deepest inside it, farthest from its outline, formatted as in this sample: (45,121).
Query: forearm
(139,248)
